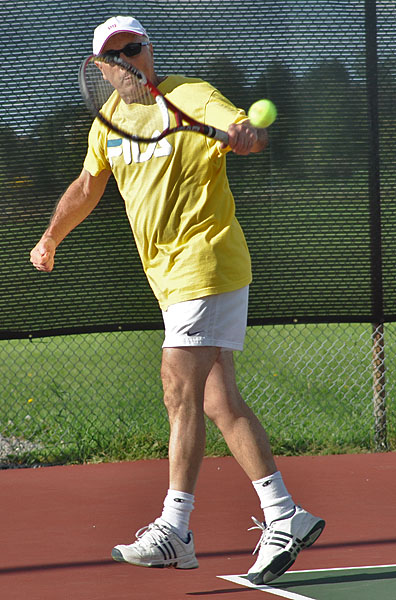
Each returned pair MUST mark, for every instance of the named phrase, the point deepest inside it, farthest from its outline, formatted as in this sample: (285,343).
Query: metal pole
(374,181)
(379,396)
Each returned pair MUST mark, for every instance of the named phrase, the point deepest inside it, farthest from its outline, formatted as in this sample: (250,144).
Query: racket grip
(217,134)
(221,136)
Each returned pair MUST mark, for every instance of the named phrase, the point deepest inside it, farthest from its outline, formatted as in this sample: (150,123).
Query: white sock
(275,500)
(177,510)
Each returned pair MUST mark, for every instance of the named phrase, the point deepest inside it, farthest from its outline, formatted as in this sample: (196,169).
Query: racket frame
(164,105)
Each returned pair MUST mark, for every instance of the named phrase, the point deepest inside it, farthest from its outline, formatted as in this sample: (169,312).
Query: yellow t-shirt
(177,197)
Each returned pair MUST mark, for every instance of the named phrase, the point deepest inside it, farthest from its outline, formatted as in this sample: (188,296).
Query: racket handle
(217,134)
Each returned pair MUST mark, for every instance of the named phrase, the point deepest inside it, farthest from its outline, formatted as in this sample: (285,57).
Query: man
(195,257)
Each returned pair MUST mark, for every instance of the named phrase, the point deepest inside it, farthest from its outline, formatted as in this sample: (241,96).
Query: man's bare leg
(242,431)
(184,373)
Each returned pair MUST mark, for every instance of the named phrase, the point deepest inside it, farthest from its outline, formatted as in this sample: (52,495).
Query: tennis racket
(145,115)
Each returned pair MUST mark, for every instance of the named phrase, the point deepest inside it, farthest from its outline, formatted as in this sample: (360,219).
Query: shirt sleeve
(221,112)
(96,159)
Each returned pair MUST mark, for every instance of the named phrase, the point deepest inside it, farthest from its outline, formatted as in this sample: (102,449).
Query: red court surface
(58,525)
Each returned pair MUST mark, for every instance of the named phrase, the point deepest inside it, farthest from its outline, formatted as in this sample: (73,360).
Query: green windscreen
(317,207)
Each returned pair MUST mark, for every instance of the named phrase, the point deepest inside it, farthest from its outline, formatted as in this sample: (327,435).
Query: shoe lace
(264,530)
(153,534)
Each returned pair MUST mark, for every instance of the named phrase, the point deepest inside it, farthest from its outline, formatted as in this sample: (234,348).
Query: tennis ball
(262,113)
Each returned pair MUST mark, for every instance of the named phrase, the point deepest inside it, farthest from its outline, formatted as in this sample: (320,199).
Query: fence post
(374,189)
(379,392)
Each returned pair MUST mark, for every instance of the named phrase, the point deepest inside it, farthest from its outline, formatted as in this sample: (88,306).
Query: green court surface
(353,583)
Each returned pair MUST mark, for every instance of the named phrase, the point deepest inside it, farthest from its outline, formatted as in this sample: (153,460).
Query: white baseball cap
(112,26)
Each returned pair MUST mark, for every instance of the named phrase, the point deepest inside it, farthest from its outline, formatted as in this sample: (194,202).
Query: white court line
(242,580)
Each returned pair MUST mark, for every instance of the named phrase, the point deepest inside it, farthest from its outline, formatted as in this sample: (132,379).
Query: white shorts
(218,320)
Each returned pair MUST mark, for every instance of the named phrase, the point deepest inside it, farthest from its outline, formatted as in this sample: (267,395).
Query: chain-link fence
(316,388)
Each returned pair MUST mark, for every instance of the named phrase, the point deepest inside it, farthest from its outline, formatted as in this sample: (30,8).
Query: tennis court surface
(58,525)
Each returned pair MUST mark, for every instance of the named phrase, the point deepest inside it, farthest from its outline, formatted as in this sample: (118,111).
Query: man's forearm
(262,140)
(74,206)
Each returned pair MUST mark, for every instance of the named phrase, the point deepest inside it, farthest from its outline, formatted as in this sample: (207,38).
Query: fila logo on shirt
(131,150)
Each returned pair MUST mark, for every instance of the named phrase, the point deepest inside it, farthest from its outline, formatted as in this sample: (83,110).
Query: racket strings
(99,90)
(144,121)
(137,115)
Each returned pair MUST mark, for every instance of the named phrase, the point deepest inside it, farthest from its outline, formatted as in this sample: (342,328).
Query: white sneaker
(281,542)
(157,545)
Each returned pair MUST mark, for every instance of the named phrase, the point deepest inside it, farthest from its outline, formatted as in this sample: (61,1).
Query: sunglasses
(132,49)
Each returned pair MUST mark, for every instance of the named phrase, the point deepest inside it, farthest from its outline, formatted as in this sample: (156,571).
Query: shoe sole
(190,563)
(285,560)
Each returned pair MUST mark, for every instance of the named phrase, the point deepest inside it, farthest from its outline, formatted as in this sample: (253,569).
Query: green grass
(98,397)
(88,397)
(318,395)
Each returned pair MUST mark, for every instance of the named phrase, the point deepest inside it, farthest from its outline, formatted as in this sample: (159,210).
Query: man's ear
(100,67)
